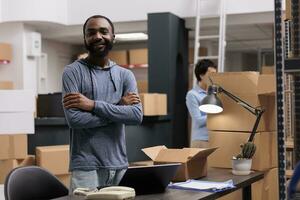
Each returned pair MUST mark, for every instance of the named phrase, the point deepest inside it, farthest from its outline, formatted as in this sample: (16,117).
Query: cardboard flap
(266,85)
(248,80)
(173,155)
(152,152)
(200,152)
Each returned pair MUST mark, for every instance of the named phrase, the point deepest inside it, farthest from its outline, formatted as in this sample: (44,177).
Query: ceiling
(243,32)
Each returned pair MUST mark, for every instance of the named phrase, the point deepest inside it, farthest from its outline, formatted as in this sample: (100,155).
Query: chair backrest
(292,187)
(32,183)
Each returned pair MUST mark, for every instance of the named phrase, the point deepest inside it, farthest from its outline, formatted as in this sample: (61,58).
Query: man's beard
(92,48)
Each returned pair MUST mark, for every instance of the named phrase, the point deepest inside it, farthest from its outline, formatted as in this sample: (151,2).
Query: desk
(214,174)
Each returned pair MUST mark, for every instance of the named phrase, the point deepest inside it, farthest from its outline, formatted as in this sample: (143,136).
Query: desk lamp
(212,104)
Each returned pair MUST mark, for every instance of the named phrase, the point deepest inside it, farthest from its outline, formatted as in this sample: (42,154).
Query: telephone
(107,193)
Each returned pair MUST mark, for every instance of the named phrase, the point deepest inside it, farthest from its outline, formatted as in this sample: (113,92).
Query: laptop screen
(149,179)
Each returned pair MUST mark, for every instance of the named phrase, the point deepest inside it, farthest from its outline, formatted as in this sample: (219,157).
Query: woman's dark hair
(202,67)
(99,16)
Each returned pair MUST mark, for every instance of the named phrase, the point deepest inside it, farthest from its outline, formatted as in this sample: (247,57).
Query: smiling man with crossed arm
(99,98)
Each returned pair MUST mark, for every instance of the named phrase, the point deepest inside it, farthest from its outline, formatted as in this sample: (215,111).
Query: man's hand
(77,100)
(129,99)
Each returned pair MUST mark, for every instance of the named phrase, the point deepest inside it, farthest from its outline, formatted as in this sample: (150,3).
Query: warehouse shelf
(289,144)
(292,65)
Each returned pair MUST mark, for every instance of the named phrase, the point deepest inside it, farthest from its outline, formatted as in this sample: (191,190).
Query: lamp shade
(211,103)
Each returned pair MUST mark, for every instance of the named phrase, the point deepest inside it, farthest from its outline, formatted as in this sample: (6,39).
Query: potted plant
(241,164)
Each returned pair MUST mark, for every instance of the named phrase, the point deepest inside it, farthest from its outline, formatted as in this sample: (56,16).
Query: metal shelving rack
(280,98)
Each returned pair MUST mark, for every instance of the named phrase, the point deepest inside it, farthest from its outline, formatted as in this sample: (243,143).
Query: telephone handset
(107,193)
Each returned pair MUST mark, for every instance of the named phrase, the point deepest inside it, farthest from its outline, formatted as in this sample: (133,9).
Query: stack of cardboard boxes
(13,147)
(56,160)
(232,127)
(13,153)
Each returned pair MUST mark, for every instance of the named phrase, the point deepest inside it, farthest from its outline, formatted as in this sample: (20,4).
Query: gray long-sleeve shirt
(97,138)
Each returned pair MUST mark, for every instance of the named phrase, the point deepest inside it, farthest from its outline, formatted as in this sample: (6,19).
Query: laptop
(149,179)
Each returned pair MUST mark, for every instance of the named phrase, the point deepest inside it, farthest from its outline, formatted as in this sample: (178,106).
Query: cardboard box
(264,158)
(236,195)
(138,56)
(267,188)
(202,52)
(288,9)
(17,101)
(13,146)
(154,104)
(194,160)
(5,52)
(268,81)
(120,57)
(268,70)
(142,86)
(7,165)
(16,123)
(256,90)
(65,179)
(6,85)
(53,158)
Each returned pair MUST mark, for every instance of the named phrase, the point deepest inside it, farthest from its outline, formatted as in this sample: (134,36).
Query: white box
(16,123)
(17,101)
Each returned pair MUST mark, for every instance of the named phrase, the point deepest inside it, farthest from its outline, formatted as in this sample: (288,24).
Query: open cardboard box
(194,160)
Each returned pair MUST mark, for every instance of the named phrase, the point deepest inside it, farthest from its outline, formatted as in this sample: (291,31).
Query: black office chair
(293,193)
(32,183)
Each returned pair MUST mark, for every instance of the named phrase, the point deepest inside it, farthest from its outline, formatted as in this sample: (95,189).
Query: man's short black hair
(202,67)
(99,16)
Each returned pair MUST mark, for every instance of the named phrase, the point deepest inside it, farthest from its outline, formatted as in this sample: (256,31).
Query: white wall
(35,10)
(29,64)
(241,61)
(13,33)
(59,55)
(72,12)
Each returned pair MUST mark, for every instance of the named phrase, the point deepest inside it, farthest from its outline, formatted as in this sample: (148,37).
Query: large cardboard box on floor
(228,144)
(13,146)
(65,179)
(154,104)
(138,56)
(267,188)
(256,90)
(119,56)
(194,160)
(53,158)
(7,165)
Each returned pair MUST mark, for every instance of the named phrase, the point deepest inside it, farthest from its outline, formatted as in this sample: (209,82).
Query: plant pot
(241,166)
